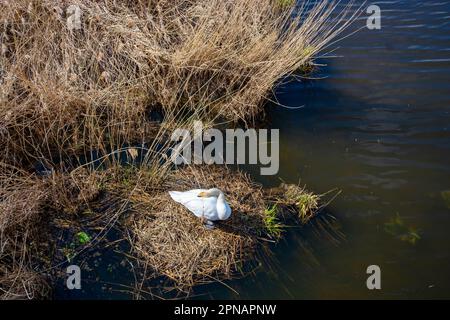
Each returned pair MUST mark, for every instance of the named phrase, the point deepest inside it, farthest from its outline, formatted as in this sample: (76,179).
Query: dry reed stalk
(22,196)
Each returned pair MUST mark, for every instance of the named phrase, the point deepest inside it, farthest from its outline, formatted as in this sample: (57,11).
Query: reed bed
(67,92)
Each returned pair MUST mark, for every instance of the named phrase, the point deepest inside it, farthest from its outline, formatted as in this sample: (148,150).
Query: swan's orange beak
(202,194)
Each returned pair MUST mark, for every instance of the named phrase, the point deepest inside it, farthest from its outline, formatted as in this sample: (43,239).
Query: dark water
(378,128)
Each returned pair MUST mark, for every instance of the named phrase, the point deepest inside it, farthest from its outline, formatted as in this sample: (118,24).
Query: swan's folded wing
(182,197)
(190,200)
(196,206)
(176,195)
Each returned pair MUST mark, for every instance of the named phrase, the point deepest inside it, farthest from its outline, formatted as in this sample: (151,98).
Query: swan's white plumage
(211,207)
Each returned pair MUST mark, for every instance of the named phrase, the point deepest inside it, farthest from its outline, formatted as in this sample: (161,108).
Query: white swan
(207,204)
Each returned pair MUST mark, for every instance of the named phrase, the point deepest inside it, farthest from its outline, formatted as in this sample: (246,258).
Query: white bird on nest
(207,204)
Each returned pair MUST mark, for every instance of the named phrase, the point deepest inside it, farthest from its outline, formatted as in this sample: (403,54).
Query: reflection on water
(378,128)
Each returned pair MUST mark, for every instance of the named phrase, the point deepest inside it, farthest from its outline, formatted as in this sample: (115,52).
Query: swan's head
(214,192)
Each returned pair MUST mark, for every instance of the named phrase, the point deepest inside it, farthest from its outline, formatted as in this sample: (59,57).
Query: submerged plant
(397,228)
(446,197)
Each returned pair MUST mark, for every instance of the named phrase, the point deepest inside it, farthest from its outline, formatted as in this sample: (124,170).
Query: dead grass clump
(292,201)
(71,192)
(300,201)
(22,197)
(174,243)
(20,284)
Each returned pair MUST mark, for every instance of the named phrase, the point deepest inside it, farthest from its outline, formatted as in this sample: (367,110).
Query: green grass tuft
(285,3)
(83,238)
(273,226)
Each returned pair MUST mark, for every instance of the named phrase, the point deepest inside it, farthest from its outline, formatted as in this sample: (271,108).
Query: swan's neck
(222,207)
